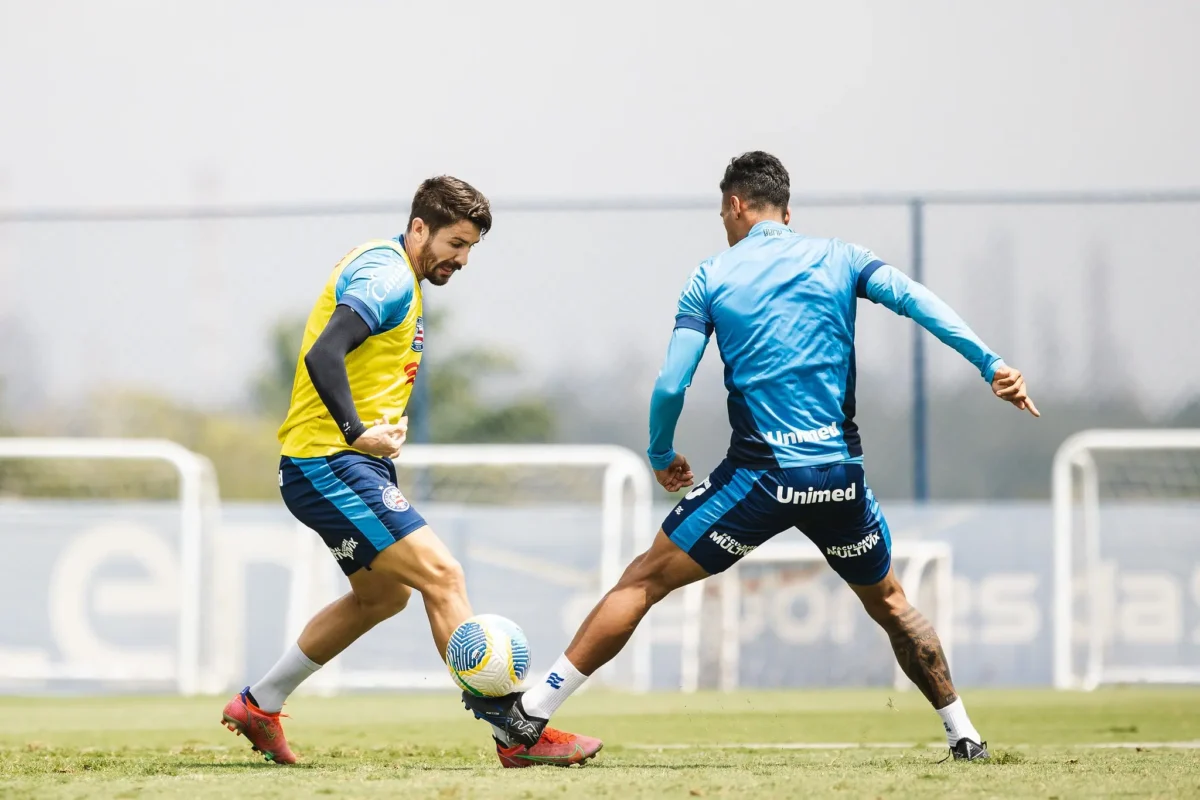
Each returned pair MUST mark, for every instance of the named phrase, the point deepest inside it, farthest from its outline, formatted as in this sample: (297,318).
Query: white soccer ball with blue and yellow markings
(488,655)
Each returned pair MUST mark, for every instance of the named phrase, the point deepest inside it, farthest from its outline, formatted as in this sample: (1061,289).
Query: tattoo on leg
(919,652)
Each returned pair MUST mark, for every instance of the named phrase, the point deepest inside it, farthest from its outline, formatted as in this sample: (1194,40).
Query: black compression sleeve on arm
(326,364)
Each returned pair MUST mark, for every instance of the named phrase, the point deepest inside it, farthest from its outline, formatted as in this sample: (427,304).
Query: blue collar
(762,228)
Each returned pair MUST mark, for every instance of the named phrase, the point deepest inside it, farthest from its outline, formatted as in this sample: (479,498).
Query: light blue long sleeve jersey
(782,306)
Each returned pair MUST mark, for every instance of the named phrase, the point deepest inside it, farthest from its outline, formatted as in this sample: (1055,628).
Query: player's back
(783,308)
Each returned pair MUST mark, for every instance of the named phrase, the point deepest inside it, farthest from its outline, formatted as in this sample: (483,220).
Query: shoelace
(555,736)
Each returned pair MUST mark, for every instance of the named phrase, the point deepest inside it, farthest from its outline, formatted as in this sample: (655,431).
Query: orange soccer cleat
(555,748)
(262,728)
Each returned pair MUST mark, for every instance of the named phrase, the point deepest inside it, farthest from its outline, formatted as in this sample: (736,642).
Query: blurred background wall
(177,179)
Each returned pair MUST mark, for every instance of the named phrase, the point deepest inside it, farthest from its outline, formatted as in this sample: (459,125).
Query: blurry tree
(242,447)
(5,428)
(271,391)
(458,414)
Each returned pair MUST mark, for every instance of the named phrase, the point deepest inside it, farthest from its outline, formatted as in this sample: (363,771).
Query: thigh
(725,517)
(352,501)
(419,560)
(835,508)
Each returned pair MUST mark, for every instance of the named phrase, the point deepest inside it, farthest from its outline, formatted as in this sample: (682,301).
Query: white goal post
(197,499)
(1078,497)
(921,560)
(625,508)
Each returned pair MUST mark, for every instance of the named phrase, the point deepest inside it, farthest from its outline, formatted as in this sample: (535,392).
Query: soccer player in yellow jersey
(358,362)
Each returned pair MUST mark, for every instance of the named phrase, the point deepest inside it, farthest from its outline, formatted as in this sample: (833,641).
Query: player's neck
(417,269)
(752,220)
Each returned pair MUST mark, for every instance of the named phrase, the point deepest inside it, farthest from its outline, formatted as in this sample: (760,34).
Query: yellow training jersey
(377,280)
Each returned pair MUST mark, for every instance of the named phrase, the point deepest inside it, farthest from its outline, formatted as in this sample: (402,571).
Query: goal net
(541,531)
(1127,558)
(782,618)
(102,583)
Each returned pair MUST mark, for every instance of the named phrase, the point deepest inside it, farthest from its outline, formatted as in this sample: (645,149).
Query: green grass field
(663,745)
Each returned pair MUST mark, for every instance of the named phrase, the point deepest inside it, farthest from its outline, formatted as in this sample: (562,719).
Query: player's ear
(735,206)
(787,216)
(418,230)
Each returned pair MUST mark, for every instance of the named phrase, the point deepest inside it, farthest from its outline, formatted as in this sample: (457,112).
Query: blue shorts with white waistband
(735,510)
(351,500)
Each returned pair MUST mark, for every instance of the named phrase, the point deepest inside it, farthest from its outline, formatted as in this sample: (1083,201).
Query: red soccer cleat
(555,749)
(263,729)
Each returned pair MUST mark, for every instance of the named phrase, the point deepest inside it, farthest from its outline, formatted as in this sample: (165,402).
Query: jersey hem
(791,463)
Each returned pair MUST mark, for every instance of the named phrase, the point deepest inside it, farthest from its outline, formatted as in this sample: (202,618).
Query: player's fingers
(1008,383)
(1031,408)
(1007,379)
(1010,392)
(402,423)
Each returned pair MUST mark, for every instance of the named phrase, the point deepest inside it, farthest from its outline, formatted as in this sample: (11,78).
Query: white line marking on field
(779,746)
(1192,745)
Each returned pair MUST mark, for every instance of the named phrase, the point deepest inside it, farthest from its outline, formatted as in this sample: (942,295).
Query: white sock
(560,683)
(958,724)
(292,668)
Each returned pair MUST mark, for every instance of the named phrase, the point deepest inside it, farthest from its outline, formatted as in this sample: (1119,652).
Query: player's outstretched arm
(326,365)
(666,403)
(890,287)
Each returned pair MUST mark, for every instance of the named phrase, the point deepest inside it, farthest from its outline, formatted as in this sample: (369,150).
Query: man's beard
(429,267)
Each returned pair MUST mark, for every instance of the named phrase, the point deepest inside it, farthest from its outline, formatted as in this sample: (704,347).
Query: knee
(445,579)
(386,605)
(642,576)
(887,609)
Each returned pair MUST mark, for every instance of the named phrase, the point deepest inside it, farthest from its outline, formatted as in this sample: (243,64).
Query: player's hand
(1009,385)
(383,439)
(676,476)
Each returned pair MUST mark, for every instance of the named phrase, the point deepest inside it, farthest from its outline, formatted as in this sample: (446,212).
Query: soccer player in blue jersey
(782,307)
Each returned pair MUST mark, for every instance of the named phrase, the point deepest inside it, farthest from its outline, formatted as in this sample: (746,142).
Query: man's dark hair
(759,179)
(443,201)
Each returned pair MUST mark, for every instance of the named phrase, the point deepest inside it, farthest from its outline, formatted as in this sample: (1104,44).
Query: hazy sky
(132,103)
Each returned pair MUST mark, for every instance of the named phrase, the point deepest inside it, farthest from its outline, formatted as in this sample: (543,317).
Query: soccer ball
(488,655)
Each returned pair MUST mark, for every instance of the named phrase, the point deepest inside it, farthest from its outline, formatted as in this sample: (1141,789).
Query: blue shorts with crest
(735,510)
(351,500)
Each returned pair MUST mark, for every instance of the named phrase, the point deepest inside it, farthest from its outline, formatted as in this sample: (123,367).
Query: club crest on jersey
(393,499)
(419,336)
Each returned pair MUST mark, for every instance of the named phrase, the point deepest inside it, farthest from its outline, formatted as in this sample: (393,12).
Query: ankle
(560,682)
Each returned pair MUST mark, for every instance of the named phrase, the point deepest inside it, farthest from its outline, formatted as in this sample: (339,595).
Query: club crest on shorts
(419,336)
(393,499)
